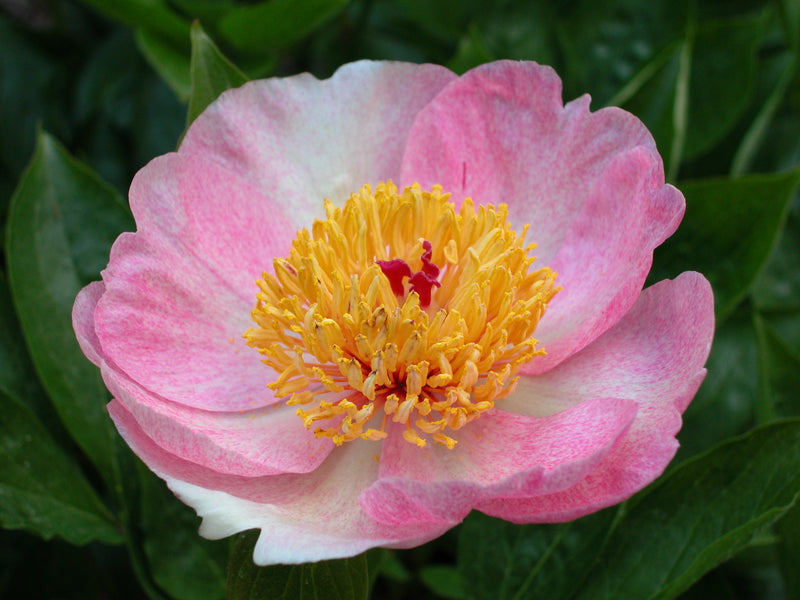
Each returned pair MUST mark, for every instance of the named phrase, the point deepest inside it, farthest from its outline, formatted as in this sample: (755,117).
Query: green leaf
(17,375)
(728,233)
(758,130)
(172,62)
(212,73)
(154,15)
(210,11)
(183,564)
(503,561)
(605,44)
(788,530)
(267,26)
(40,489)
(722,79)
(779,369)
(444,581)
(650,95)
(725,405)
(62,222)
(699,515)
(344,579)
(777,289)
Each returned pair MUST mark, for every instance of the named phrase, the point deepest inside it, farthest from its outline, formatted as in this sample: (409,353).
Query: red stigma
(421,282)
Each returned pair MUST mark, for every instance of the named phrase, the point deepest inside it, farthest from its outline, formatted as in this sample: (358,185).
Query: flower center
(399,307)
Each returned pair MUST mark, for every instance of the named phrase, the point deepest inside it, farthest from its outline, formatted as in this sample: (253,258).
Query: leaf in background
(500,560)
(62,222)
(699,515)
(788,530)
(267,26)
(182,563)
(171,61)
(17,375)
(650,95)
(40,489)
(154,15)
(343,579)
(725,405)
(23,66)
(728,233)
(205,10)
(777,288)
(522,31)
(722,78)
(779,370)
(212,73)
(605,44)
(444,581)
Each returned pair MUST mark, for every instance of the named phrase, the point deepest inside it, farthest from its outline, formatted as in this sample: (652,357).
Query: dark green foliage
(91,90)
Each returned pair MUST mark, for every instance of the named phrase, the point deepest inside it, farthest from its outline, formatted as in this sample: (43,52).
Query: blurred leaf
(183,564)
(206,10)
(722,78)
(23,66)
(33,569)
(171,61)
(40,489)
(725,405)
(728,233)
(780,374)
(713,586)
(788,530)
(212,73)
(472,51)
(267,26)
(447,20)
(759,127)
(522,31)
(699,515)
(444,581)
(62,222)
(777,288)
(650,95)
(605,44)
(790,19)
(344,579)
(17,375)
(153,15)
(500,560)
(693,91)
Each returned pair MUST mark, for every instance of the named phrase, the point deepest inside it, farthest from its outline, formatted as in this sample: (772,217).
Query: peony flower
(356,309)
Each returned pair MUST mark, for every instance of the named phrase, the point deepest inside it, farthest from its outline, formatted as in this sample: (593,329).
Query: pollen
(399,307)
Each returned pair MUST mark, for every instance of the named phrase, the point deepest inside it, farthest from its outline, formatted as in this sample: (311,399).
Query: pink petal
(267,441)
(174,327)
(301,140)
(499,454)
(591,186)
(654,356)
(213,218)
(303,518)
(83,321)
(262,442)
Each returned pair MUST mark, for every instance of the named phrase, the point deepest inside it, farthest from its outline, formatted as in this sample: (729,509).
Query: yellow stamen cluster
(348,349)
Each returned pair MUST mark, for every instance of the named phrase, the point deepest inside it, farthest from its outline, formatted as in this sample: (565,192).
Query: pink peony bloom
(365,371)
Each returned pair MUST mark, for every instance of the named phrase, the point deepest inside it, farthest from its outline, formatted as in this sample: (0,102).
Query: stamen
(356,345)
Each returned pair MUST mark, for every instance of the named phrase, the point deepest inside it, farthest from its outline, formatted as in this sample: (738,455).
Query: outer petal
(591,186)
(265,441)
(303,518)
(175,328)
(653,356)
(499,454)
(301,140)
